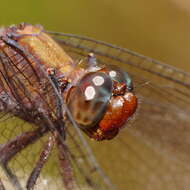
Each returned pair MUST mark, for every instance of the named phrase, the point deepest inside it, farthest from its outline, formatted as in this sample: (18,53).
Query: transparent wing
(27,100)
(152,151)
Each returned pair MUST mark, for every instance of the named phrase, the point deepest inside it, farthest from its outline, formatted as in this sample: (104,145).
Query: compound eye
(88,100)
(120,76)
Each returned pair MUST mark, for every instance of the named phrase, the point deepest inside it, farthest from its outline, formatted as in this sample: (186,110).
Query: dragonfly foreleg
(11,148)
(65,166)
(40,163)
(8,150)
(59,83)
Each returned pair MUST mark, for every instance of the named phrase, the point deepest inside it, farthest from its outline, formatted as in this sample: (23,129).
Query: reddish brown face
(119,110)
(102,102)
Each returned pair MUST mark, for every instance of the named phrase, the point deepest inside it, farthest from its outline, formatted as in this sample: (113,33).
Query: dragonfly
(151,151)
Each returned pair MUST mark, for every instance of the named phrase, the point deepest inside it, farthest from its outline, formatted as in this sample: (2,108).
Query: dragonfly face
(98,99)
(101,103)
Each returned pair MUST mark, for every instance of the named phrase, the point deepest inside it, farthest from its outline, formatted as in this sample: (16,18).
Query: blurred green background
(159,29)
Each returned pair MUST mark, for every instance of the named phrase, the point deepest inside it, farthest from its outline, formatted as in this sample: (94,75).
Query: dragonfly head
(102,102)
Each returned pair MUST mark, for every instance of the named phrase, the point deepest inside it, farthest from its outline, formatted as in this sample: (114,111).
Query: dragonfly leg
(40,163)
(11,148)
(59,83)
(65,166)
